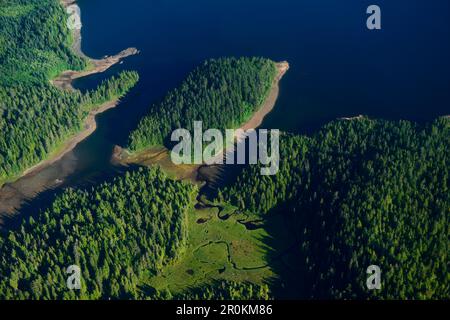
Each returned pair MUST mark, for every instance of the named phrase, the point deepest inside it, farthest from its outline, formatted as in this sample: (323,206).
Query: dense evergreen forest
(34,42)
(359,193)
(216,290)
(226,290)
(223,93)
(36,117)
(117,233)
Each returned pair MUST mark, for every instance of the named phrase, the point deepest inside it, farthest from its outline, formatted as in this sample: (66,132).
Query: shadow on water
(32,207)
(221,175)
(321,85)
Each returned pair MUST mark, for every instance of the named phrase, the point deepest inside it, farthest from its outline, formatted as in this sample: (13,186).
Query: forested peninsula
(222,93)
(38,119)
(356,193)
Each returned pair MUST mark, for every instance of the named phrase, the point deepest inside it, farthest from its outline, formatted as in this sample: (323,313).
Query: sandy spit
(64,81)
(161,156)
(268,105)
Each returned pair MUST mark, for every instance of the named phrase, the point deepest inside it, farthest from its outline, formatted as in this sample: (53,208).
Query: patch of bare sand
(65,79)
(268,105)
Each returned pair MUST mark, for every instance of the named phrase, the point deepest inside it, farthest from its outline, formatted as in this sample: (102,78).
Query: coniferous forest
(222,93)
(117,233)
(36,117)
(357,192)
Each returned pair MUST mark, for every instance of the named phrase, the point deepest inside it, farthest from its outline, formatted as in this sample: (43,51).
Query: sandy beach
(257,118)
(358,117)
(64,80)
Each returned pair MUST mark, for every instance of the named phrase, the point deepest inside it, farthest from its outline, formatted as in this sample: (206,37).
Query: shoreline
(64,82)
(65,79)
(49,173)
(358,117)
(159,155)
(90,125)
(269,103)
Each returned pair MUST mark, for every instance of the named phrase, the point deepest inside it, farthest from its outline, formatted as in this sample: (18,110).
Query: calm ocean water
(338,67)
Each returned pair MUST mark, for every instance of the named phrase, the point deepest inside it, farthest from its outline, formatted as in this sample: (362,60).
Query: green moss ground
(207,254)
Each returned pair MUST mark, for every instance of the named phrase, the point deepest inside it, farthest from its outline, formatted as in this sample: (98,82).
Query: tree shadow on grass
(282,246)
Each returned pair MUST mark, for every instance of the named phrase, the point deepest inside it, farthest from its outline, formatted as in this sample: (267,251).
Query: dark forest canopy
(225,290)
(117,233)
(362,192)
(36,117)
(34,42)
(357,193)
(223,93)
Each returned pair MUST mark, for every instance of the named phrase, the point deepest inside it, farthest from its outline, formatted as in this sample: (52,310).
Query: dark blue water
(338,67)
